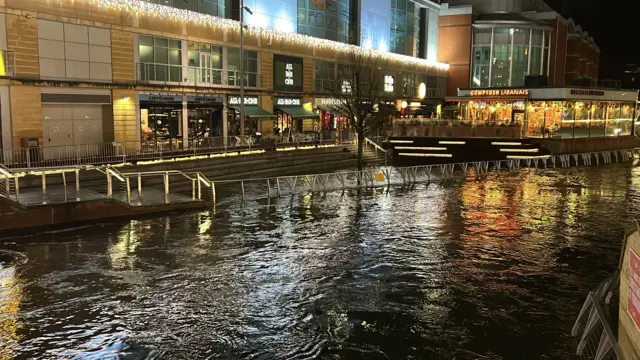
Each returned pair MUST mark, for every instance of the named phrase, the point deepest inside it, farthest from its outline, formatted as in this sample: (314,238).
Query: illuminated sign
(160,98)
(500,92)
(328,101)
(587,92)
(388,83)
(346,87)
(215,100)
(288,101)
(287,73)
(248,100)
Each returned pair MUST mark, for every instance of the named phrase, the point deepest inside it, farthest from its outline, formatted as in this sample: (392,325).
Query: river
(483,268)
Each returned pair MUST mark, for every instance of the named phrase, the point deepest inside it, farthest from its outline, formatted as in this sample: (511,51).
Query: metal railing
(194,76)
(113,153)
(376,148)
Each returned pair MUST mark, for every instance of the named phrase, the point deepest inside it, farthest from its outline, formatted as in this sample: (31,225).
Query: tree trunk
(360,148)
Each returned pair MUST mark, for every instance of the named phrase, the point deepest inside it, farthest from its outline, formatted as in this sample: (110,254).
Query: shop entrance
(205,125)
(160,122)
(65,125)
(208,73)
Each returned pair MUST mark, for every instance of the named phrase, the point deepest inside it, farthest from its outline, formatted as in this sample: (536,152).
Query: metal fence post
(278,186)
(77,181)
(44,183)
(64,183)
(213,192)
(17,181)
(128,190)
(109,183)
(268,188)
(166,187)
(139,187)
(242,185)
(193,189)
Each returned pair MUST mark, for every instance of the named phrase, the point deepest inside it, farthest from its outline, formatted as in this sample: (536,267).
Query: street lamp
(241,69)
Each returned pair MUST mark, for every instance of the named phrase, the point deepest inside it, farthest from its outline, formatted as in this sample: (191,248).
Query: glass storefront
(161,122)
(204,121)
(552,119)
(578,119)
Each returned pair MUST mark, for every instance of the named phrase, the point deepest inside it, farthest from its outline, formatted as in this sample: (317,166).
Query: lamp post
(241,67)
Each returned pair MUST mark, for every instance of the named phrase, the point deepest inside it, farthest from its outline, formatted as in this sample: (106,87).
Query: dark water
(495,268)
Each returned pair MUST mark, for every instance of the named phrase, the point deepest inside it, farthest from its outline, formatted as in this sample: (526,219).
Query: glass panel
(175,74)
(174,44)
(146,54)
(175,57)
(519,65)
(193,58)
(193,46)
(480,67)
(162,73)
(502,37)
(145,40)
(582,121)
(161,55)
(161,42)
(536,56)
(500,70)
(205,48)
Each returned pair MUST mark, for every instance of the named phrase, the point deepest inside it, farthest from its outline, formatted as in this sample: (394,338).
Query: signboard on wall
(160,98)
(633,296)
(288,101)
(248,100)
(213,100)
(287,73)
(388,83)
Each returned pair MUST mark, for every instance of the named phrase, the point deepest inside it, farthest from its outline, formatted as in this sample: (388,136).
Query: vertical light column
(529,53)
(542,52)
(490,58)
(225,112)
(548,55)
(512,35)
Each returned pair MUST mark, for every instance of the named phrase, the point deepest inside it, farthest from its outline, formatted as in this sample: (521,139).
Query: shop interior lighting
(162,12)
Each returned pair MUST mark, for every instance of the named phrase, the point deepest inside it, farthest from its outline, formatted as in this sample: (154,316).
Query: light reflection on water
(492,268)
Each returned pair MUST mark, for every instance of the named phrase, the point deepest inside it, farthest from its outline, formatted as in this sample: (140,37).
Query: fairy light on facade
(162,12)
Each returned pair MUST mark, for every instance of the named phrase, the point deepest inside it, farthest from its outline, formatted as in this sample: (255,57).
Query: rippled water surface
(490,268)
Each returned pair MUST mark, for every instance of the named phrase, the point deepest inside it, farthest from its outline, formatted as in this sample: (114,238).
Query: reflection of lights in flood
(10,299)
(122,252)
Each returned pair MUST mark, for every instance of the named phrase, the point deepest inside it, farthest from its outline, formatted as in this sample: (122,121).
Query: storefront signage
(633,296)
(288,102)
(388,83)
(287,73)
(160,98)
(328,101)
(213,100)
(500,92)
(587,92)
(346,87)
(248,100)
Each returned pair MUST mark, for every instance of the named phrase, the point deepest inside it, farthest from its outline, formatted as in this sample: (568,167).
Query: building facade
(165,73)
(500,43)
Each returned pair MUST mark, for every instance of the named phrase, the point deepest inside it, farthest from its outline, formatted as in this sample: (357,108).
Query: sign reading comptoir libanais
(634,288)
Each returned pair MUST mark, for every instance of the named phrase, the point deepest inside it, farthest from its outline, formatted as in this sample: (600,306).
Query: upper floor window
(324,19)
(160,59)
(324,76)
(251,67)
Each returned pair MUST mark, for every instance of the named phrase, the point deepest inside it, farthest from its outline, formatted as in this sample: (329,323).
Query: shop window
(500,62)
(480,66)
(160,59)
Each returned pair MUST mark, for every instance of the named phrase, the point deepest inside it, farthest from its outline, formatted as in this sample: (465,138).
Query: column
(225,114)
(185,123)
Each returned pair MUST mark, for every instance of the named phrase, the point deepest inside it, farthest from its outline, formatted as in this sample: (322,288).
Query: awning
(254,111)
(297,112)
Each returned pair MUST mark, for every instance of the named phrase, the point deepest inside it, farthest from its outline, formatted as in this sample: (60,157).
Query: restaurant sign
(161,98)
(248,100)
(500,92)
(213,100)
(587,92)
(288,102)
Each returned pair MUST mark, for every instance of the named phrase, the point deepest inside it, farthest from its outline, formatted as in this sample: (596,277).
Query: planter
(399,128)
(462,131)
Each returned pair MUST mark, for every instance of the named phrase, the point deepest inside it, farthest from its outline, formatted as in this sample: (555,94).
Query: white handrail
(367,140)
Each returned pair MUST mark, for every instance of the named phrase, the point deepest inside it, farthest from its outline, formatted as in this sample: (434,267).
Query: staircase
(372,155)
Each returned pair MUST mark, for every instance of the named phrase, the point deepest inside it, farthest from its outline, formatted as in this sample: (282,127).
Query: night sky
(614,25)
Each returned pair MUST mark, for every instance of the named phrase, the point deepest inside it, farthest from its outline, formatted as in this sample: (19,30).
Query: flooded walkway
(489,268)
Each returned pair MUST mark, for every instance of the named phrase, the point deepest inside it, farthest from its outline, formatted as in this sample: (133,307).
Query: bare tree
(358,91)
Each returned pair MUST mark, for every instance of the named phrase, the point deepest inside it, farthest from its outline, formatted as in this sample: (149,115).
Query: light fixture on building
(422,90)
(404,104)
(126,98)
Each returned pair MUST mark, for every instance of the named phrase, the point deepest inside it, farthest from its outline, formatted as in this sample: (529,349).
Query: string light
(162,12)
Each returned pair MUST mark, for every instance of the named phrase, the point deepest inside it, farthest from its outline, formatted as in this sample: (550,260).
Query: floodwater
(489,268)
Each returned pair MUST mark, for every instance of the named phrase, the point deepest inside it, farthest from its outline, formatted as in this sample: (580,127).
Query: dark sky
(614,25)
